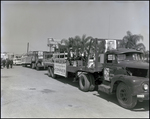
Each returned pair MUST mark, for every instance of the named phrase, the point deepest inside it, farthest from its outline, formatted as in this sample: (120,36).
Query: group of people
(76,55)
(7,62)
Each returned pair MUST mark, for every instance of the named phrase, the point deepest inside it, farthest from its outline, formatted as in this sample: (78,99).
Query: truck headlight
(145,87)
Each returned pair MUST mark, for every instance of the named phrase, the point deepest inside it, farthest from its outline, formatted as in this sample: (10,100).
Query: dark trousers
(3,64)
(10,65)
(7,65)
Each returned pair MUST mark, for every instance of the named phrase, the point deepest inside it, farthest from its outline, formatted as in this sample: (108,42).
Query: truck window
(110,58)
(55,56)
(40,55)
(47,55)
(61,56)
(130,57)
(121,57)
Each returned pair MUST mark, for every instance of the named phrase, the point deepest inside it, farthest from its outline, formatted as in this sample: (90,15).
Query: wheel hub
(123,95)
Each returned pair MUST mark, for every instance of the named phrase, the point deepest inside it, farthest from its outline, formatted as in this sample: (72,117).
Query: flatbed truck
(114,70)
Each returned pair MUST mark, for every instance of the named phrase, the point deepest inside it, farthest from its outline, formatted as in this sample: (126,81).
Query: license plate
(140,96)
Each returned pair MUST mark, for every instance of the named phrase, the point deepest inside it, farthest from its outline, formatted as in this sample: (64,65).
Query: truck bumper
(143,96)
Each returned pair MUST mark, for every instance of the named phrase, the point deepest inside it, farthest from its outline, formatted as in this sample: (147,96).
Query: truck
(34,59)
(47,56)
(17,59)
(110,68)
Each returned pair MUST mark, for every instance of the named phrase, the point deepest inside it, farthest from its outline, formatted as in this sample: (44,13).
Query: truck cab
(34,59)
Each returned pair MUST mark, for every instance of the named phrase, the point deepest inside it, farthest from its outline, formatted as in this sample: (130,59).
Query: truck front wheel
(124,96)
(84,82)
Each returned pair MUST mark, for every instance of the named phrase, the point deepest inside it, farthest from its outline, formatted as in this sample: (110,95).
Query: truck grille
(139,72)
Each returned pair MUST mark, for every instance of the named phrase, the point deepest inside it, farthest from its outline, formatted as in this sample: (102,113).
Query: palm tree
(77,42)
(131,41)
(83,42)
(101,47)
(68,43)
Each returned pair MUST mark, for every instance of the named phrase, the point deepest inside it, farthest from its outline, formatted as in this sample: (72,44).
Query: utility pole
(27,47)
(109,27)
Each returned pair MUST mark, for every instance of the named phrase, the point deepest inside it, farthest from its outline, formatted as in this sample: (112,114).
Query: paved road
(29,93)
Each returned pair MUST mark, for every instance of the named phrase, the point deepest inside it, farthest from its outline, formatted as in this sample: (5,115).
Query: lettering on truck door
(110,67)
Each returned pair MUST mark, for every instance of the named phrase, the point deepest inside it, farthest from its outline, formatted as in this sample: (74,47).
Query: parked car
(17,61)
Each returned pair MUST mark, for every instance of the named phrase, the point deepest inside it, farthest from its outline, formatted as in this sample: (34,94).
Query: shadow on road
(110,98)
(41,69)
(141,106)
(66,80)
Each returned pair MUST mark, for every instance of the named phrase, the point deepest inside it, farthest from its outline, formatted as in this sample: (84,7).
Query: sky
(34,22)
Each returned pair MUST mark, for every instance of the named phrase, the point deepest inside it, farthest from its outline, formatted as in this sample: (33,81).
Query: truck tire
(92,82)
(33,65)
(124,96)
(49,72)
(37,67)
(84,82)
(52,72)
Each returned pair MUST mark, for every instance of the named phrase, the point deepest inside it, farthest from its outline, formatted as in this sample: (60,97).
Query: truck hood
(135,64)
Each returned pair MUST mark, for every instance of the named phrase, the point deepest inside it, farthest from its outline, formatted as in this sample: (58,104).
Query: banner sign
(60,69)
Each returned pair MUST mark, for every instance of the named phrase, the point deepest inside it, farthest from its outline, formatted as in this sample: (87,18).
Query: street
(27,93)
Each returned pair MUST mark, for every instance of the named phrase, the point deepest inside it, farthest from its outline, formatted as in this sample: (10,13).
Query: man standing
(70,56)
(11,63)
(4,62)
(7,63)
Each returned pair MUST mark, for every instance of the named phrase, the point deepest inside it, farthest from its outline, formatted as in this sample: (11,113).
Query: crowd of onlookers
(6,63)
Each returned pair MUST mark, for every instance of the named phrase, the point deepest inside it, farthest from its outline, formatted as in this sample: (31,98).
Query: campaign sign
(60,69)
(110,45)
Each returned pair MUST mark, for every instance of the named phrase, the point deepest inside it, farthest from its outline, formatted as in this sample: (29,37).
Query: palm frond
(129,33)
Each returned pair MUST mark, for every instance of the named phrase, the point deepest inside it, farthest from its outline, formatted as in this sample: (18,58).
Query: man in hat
(70,55)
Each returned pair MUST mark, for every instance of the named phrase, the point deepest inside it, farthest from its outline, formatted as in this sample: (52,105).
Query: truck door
(29,57)
(110,67)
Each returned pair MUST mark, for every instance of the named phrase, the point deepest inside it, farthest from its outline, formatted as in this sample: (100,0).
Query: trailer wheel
(84,82)
(52,72)
(124,96)
(49,72)
(92,82)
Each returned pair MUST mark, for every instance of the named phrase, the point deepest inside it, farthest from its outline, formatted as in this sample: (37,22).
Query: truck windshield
(130,57)
(40,55)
